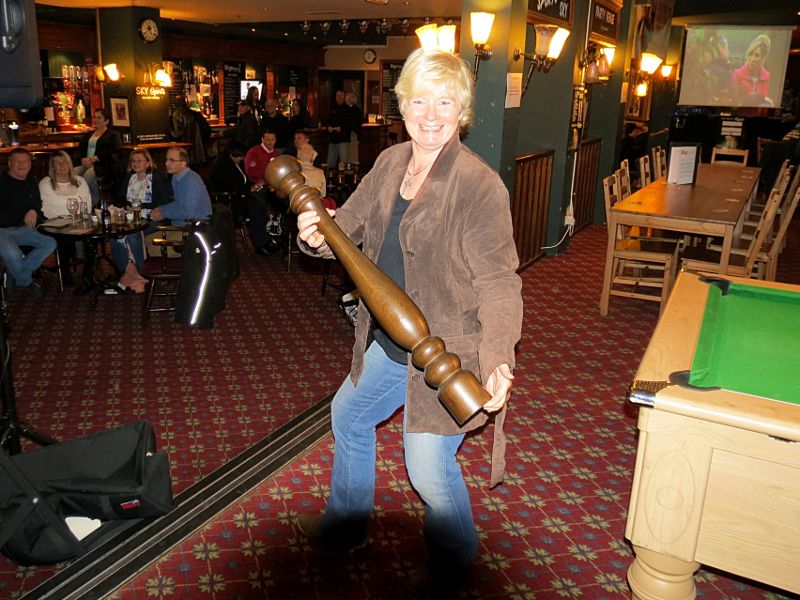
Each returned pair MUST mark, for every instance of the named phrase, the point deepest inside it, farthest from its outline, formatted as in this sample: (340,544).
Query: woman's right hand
(307,228)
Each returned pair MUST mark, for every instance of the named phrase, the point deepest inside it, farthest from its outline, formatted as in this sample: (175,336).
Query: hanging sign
(558,12)
(604,24)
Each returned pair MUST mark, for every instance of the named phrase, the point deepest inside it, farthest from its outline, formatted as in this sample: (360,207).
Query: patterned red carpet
(555,529)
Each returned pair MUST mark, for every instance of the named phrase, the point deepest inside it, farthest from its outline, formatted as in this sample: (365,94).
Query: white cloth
(54,201)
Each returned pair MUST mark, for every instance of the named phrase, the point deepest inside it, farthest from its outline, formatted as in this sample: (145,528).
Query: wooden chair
(625,171)
(644,171)
(740,264)
(163,271)
(781,184)
(729,156)
(659,164)
(642,267)
(767,259)
(623,184)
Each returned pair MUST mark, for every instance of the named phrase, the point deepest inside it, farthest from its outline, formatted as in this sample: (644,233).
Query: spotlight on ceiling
(377,2)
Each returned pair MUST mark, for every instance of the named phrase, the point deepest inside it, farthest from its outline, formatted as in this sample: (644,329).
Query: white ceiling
(255,11)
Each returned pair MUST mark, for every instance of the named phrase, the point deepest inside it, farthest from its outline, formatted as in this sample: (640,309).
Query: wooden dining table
(713,206)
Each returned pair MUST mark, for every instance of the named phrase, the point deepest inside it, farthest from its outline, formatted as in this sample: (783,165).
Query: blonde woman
(61,184)
(436,219)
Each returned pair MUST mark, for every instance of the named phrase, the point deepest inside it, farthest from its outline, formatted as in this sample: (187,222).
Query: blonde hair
(51,170)
(426,72)
(763,42)
(143,152)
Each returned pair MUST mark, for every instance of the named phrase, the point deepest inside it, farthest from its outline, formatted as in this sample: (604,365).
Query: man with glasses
(191,196)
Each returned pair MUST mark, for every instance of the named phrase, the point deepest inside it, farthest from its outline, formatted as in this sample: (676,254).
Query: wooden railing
(588,157)
(530,203)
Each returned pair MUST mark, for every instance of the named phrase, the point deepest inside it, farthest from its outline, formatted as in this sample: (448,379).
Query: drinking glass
(73,205)
(136,206)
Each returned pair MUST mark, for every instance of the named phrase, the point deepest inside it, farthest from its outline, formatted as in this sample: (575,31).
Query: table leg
(727,242)
(608,276)
(654,576)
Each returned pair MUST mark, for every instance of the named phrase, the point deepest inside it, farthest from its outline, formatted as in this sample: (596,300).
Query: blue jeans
(21,266)
(119,251)
(430,460)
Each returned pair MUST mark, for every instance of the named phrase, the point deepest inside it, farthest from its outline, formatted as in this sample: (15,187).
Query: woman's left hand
(499,386)
(87,162)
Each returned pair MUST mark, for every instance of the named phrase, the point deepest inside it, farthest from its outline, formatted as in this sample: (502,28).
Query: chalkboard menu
(390,72)
(231,92)
(558,12)
(605,21)
(177,83)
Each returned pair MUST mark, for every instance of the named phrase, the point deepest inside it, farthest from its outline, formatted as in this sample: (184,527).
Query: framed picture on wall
(120,112)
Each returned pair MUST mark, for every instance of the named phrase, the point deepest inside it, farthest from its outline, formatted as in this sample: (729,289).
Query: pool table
(717,477)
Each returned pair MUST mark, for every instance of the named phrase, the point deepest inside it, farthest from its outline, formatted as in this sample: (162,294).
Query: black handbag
(109,475)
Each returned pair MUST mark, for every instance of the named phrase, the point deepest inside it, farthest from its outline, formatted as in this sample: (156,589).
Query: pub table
(95,237)
(717,477)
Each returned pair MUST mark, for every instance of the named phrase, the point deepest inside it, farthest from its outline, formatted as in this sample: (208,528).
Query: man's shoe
(343,538)
(33,289)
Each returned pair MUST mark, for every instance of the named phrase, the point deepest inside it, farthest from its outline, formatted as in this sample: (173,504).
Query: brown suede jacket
(460,268)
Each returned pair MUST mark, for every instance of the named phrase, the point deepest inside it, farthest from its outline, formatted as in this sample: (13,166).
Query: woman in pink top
(752,79)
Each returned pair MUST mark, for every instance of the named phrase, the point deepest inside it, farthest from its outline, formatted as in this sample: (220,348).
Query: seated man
(262,201)
(20,209)
(303,150)
(191,196)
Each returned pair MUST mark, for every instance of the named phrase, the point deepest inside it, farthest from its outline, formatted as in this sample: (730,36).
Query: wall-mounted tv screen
(734,66)
(246,84)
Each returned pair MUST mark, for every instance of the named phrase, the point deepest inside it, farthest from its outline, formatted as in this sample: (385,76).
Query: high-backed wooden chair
(767,259)
(163,271)
(642,268)
(659,164)
(645,173)
(740,264)
(729,155)
(781,185)
(623,183)
(625,167)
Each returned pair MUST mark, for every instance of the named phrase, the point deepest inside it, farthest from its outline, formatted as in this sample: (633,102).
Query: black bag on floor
(113,474)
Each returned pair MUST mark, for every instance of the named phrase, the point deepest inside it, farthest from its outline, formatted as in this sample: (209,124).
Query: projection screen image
(734,66)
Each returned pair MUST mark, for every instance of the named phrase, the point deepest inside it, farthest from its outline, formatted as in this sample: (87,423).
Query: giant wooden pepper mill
(459,390)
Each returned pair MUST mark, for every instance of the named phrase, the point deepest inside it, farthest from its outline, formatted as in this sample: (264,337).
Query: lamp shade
(111,71)
(609,51)
(481,27)
(603,68)
(544,35)
(592,73)
(428,37)
(666,71)
(649,63)
(641,89)
(446,35)
(557,43)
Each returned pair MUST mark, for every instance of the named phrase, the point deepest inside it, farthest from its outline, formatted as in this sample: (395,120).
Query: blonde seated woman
(56,189)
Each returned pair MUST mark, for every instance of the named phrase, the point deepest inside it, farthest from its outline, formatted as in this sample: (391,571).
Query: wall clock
(148,30)
(370,56)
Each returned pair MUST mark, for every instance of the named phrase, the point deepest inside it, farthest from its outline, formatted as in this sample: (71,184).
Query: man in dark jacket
(20,209)
(274,121)
(246,134)
(189,126)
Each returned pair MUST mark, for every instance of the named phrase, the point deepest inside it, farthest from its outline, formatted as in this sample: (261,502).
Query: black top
(18,197)
(279,125)
(246,133)
(390,261)
(107,153)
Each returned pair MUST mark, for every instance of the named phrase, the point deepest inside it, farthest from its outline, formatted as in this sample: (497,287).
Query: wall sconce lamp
(666,71)
(163,76)
(108,73)
(649,63)
(550,40)
(641,89)
(597,63)
(435,38)
(480,28)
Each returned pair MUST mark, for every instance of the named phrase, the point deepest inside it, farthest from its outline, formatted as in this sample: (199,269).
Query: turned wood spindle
(459,390)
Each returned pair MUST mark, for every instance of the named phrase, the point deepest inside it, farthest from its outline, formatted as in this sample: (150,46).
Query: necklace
(409,180)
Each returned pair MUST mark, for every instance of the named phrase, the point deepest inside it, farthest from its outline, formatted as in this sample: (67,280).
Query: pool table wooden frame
(717,479)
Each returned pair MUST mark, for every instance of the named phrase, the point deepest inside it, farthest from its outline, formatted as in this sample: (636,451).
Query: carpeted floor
(554,529)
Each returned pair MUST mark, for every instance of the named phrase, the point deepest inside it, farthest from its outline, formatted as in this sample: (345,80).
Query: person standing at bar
(339,134)
(436,219)
(100,150)
(274,121)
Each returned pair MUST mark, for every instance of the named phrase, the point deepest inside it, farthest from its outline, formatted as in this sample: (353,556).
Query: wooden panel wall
(530,204)
(588,157)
